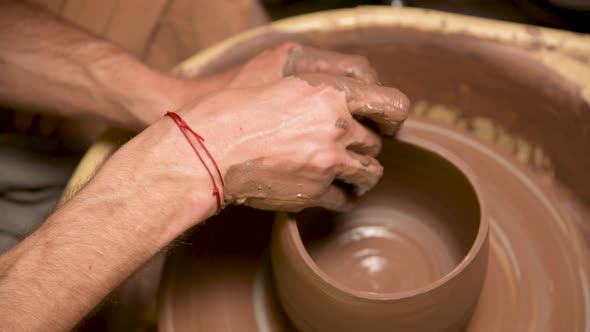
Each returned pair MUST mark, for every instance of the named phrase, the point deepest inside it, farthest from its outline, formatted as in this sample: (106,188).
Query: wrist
(157,176)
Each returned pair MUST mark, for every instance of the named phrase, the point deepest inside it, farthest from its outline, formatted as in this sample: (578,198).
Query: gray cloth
(33,173)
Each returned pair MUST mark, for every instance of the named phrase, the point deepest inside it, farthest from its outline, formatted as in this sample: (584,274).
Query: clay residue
(306,59)
(269,186)
(386,107)
(258,184)
(489,131)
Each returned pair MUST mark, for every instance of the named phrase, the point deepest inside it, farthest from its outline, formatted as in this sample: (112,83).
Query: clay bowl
(412,256)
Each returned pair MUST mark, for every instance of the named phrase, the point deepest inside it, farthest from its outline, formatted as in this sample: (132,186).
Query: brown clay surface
(384,247)
(538,265)
(411,230)
(537,273)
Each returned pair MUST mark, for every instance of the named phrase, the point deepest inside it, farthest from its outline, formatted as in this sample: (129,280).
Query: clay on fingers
(264,185)
(386,107)
(293,152)
(306,59)
(292,58)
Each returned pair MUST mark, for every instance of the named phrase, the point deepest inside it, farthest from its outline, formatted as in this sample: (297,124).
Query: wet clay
(412,229)
(243,187)
(368,102)
(383,248)
(535,248)
(306,59)
(290,59)
(218,285)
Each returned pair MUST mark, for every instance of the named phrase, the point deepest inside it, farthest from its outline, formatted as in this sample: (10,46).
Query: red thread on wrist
(184,126)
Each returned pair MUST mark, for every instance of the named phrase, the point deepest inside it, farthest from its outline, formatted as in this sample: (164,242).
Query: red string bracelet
(184,126)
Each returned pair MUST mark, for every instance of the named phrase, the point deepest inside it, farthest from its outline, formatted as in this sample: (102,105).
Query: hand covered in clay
(310,63)
(292,58)
(157,92)
(291,144)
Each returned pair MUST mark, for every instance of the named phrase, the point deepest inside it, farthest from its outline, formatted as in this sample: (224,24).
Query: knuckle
(376,169)
(335,132)
(323,92)
(333,125)
(334,111)
(335,97)
(375,148)
(329,100)
(293,80)
(296,85)
(287,48)
(326,159)
(373,141)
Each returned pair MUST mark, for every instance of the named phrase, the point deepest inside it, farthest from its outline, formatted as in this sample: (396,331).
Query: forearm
(47,65)
(131,209)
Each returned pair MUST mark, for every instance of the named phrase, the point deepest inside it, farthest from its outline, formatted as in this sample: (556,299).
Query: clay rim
(473,252)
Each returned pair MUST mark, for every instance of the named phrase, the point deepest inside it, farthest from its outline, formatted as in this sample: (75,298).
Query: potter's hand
(287,145)
(385,107)
(292,58)
(165,92)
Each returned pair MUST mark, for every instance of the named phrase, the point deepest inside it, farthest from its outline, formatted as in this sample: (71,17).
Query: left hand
(292,58)
(287,59)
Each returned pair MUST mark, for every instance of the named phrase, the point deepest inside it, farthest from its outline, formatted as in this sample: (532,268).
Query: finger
(336,199)
(305,59)
(363,140)
(362,172)
(386,107)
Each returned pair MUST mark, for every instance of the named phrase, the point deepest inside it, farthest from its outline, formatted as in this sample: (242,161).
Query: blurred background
(571,15)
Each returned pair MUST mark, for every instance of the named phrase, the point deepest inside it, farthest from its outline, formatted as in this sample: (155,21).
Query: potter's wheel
(538,273)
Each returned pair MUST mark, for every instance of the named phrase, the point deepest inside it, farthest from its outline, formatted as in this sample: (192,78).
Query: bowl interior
(411,230)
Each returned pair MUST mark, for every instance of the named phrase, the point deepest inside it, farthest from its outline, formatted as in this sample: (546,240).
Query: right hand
(283,145)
